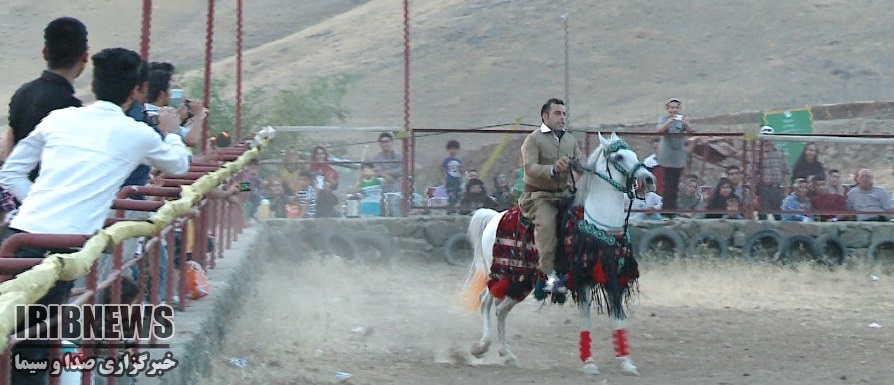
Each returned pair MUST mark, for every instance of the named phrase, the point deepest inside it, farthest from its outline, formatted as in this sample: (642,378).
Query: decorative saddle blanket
(592,257)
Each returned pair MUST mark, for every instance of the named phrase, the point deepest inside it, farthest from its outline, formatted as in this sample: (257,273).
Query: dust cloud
(401,323)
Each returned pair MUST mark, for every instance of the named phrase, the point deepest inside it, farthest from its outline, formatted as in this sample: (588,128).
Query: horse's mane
(583,188)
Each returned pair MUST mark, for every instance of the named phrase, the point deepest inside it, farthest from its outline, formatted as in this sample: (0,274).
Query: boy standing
(672,154)
(452,168)
(370,187)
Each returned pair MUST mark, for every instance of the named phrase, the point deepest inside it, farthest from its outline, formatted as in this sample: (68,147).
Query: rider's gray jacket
(540,151)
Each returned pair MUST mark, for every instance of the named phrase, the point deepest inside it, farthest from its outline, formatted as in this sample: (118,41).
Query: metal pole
(238,70)
(146,29)
(405,185)
(567,98)
(209,39)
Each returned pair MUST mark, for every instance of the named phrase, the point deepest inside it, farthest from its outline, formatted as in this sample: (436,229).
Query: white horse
(608,176)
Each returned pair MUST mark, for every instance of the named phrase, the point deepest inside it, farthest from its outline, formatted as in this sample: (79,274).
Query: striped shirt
(308,195)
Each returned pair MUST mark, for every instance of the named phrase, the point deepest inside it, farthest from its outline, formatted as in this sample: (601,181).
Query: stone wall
(424,237)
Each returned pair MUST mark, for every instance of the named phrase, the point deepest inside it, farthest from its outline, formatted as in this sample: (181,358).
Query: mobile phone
(151,118)
(678,117)
(244,186)
(176,97)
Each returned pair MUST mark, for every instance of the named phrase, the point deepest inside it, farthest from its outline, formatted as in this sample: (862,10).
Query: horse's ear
(602,140)
(615,137)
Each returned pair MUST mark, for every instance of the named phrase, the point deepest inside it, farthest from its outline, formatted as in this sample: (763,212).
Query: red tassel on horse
(599,274)
(499,288)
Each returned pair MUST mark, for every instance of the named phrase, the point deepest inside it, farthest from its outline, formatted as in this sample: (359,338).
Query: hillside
(476,62)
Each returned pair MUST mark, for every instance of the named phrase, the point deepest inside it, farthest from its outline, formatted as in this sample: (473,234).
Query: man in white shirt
(85,154)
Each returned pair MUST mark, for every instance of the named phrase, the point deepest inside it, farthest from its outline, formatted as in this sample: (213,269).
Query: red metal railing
(213,217)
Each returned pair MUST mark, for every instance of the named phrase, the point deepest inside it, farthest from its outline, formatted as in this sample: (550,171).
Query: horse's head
(615,163)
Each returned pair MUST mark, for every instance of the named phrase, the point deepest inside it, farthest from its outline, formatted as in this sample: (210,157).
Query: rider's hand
(561,164)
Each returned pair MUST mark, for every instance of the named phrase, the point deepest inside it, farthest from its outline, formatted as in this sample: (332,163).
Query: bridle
(629,178)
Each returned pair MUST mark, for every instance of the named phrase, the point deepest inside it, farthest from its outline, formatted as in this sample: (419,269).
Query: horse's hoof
(509,358)
(628,367)
(478,349)
(590,368)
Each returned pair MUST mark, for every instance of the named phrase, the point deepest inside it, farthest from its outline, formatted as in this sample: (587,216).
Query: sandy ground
(694,323)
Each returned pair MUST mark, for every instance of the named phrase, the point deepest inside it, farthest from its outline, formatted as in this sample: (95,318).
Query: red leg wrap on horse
(621,347)
(499,289)
(585,345)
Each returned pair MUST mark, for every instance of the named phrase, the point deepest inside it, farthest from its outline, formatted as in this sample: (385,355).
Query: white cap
(767,130)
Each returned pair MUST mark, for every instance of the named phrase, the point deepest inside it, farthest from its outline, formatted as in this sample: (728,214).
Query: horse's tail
(476,280)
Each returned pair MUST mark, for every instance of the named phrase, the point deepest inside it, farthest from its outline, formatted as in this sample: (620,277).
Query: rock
(436,233)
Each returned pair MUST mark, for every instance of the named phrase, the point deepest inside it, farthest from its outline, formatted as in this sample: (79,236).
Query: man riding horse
(547,154)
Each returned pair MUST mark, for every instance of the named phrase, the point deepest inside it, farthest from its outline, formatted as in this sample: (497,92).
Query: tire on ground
(799,241)
(678,245)
(878,261)
(372,247)
(458,250)
(713,240)
(762,238)
(337,243)
(834,251)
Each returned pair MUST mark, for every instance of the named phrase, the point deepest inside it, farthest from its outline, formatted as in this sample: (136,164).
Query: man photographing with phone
(162,92)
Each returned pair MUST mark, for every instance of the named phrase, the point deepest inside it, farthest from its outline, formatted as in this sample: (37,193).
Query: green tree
(319,102)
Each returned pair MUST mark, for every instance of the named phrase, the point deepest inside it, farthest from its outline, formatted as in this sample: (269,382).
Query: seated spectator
(798,202)
(475,197)
(690,199)
(824,200)
(502,194)
(722,192)
(289,170)
(733,209)
(326,201)
(867,197)
(306,196)
(278,197)
(834,183)
(735,175)
(808,163)
(320,167)
(651,206)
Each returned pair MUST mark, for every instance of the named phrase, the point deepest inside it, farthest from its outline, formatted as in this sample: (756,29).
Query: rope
(29,286)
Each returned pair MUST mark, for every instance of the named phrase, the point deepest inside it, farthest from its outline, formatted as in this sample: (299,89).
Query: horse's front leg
(503,307)
(622,349)
(482,346)
(586,356)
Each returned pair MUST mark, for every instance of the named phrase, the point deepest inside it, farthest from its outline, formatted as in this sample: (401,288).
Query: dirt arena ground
(694,323)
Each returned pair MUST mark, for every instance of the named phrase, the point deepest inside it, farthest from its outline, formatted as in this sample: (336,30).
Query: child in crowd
(306,197)
(732,208)
(651,205)
(370,187)
(452,169)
